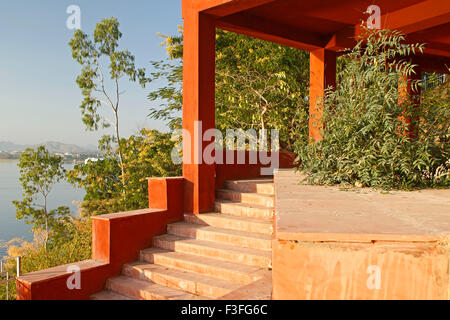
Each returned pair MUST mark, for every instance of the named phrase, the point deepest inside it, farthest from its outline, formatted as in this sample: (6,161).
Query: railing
(4,275)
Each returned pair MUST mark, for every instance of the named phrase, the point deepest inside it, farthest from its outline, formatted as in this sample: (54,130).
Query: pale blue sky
(39,99)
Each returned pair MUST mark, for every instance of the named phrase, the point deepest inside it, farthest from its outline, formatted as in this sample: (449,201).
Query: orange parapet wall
(116,239)
(339,271)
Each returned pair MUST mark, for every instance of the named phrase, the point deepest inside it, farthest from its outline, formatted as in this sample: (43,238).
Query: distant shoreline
(65,162)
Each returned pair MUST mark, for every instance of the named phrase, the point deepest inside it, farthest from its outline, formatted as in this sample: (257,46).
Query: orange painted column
(198,109)
(410,97)
(322,75)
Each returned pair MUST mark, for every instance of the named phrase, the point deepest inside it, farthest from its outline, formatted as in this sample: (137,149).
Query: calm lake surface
(62,194)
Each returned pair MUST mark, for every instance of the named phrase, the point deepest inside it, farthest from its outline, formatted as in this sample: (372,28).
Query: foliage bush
(259,85)
(363,138)
(70,243)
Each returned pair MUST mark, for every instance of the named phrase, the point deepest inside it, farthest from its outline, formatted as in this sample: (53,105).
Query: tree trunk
(46,223)
(120,149)
(263,127)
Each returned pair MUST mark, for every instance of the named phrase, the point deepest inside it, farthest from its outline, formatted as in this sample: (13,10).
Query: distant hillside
(58,147)
(9,146)
(52,146)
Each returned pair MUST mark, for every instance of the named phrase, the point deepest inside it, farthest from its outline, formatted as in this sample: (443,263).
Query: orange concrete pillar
(322,75)
(198,109)
(410,97)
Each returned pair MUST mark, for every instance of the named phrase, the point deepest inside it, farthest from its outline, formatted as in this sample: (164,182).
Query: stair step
(146,290)
(246,197)
(221,251)
(190,282)
(225,221)
(208,233)
(109,295)
(262,186)
(237,273)
(246,210)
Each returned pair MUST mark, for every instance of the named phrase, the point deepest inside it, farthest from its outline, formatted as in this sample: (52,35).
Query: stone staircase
(205,256)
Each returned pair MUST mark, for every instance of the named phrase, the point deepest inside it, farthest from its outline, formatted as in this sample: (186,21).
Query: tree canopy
(92,55)
(365,136)
(39,173)
(259,85)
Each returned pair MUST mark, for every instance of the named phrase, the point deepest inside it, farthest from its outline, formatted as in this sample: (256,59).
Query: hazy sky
(39,99)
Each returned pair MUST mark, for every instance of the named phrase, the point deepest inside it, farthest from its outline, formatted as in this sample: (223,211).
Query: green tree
(39,172)
(94,56)
(259,85)
(363,142)
(147,154)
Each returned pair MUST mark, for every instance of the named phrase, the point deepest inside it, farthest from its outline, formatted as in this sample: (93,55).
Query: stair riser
(250,198)
(225,255)
(216,272)
(131,291)
(263,188)
(192,287)
(261,244)
(231,224)
(243,211)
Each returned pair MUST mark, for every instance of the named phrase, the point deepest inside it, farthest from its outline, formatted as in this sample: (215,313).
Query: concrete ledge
(118,238)
(51,284)
(330,241)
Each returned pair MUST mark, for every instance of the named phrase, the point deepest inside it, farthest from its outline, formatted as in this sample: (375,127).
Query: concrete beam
(417,17)
(221,8)
(264,29)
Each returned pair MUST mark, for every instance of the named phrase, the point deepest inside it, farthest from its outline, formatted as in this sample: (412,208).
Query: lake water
(62,194)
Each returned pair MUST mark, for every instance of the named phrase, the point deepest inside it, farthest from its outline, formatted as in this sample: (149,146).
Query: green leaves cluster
(261,85)
(95,55)
(364,137)
(118,181)
(147,154)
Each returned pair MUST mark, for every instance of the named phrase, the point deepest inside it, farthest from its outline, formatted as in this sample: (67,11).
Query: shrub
(364,142)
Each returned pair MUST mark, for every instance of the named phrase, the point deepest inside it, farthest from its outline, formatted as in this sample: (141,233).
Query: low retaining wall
(360,271)
(359,244)
(116,239)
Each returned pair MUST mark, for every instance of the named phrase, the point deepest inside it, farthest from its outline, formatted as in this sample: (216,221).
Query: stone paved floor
(319,213)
